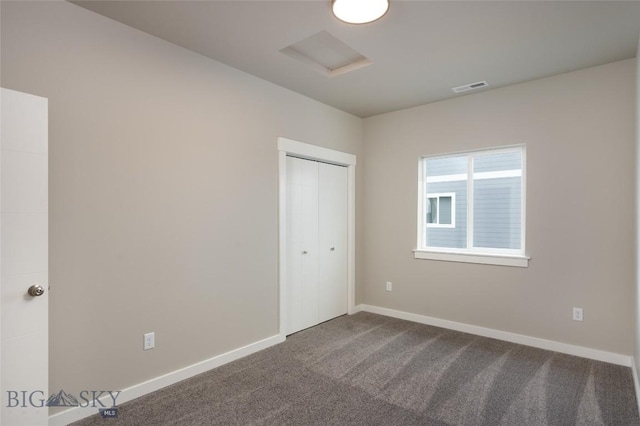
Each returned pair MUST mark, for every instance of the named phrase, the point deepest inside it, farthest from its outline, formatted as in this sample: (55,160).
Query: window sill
(485,259)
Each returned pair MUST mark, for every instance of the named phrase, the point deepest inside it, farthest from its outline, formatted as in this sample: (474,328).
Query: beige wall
(579,132)
(163,192)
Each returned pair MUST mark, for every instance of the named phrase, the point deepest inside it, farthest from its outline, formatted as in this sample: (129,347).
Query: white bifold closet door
(316,288)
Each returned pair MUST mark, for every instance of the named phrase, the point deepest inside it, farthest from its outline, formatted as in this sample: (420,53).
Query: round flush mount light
(359,11)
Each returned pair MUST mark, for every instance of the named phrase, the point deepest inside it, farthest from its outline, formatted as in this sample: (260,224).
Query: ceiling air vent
(472,86)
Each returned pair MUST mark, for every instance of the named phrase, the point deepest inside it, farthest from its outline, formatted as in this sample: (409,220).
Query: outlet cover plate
(577,314)
(149,341)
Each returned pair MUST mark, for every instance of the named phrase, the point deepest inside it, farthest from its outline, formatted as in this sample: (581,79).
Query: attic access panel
(326,54)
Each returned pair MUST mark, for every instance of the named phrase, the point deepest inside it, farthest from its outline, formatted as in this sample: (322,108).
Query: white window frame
(471,254)
(437,223)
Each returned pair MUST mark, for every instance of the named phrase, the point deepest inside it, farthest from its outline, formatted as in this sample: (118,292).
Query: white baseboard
(136,391)
(521,339)
(636,383)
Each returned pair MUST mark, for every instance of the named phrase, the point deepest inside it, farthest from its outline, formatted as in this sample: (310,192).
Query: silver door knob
(332,249)
(35,290)
(304,252)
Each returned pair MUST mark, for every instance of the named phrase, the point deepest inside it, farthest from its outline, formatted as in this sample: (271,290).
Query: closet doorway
(316,243)
(317,238)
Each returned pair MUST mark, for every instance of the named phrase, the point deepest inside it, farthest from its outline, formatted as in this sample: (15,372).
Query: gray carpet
(368,369)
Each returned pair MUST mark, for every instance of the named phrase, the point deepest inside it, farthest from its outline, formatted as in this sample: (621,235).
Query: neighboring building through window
(473,203)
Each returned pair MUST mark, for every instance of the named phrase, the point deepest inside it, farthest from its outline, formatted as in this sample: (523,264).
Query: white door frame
(313,152)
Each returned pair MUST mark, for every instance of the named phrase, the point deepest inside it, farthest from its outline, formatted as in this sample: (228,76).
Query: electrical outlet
(389,286)
(149,341)
(577,314)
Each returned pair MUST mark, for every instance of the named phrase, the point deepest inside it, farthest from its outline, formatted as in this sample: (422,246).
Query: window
(441,210)
(472,207)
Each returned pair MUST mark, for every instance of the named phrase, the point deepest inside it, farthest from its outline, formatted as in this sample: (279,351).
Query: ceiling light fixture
(359,11)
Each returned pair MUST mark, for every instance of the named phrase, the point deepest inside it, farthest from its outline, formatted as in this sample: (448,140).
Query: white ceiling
(419,50)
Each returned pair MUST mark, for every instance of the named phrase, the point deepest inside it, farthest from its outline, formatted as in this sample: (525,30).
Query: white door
(332,248)
(302,233)
(316,280)
(24,358)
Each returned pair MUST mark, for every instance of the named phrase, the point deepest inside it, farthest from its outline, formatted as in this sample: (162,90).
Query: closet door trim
(313,152)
